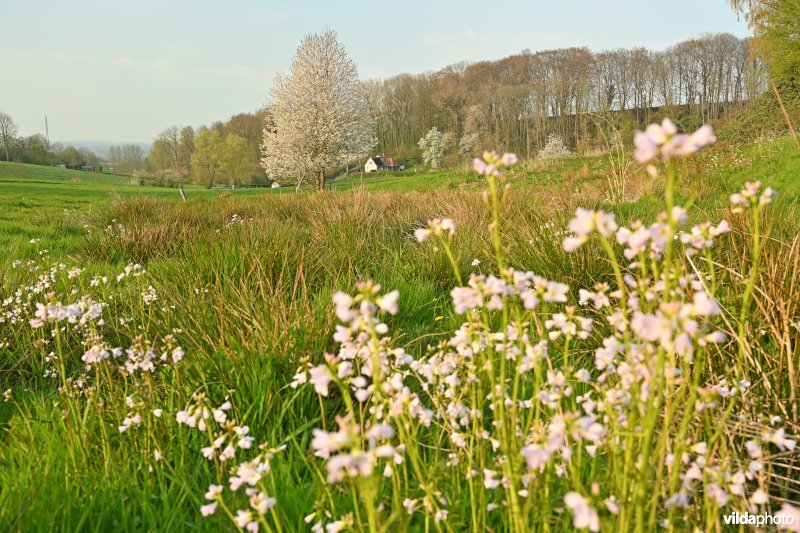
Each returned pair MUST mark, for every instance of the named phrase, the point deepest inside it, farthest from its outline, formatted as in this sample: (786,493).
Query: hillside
(32,173)
(762,117)
(51,203)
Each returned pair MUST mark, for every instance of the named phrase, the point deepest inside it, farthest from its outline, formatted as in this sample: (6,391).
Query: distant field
(53,204)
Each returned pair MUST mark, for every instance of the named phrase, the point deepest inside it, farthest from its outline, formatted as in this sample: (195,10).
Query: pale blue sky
(122,70)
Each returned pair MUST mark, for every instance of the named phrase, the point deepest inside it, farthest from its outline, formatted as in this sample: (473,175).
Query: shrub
(554,147)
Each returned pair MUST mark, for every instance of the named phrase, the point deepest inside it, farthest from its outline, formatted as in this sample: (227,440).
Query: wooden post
(785,114)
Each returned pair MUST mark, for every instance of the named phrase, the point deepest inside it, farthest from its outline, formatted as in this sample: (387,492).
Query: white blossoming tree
(433,146)
(319,114)
(554,148)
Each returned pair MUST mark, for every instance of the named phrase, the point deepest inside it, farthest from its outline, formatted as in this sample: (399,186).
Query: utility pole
(46,139)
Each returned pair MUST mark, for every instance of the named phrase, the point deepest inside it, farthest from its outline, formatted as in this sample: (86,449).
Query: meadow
(225,362)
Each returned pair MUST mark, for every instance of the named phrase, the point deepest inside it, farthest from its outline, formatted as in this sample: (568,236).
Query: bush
(554,147)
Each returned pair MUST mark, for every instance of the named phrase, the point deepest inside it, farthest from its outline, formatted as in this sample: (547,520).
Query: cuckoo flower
(665,140)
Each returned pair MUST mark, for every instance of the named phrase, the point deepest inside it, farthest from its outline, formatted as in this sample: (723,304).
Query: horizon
(130,89)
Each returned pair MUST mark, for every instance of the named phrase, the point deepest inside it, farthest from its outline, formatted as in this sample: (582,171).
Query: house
(76,166)
(380,163)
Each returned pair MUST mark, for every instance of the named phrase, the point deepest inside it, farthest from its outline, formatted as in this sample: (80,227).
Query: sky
(123,70)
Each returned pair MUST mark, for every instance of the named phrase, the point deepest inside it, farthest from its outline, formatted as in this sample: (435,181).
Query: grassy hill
(762,118)
(31,173)
(52,204)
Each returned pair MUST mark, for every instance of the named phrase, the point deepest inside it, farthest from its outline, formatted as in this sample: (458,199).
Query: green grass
(762,118)
(404,181)
(52,204)
(31,173)
(539,174)
(249,300)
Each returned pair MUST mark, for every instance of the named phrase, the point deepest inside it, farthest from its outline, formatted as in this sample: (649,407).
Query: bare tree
(8,131)
(185,148)
(126,158)
(471,140)
(320,114)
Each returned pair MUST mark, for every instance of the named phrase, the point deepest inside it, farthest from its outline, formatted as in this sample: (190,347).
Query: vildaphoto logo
(747,519)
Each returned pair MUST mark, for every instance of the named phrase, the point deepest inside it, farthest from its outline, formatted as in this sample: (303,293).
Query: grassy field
(53,204)
(243,282)
(49,203)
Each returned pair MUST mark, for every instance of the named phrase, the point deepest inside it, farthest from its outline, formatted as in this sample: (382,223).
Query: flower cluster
(349,455)
(642,241)
(663,139)
(236,220)
(79,312)
(437,227)
(585,223)
(492,162)
(252,476)
(751,195)
(365,363)
(492,292)
(370,375)
(107,374)
(226,438)
(702,236)
(535,395)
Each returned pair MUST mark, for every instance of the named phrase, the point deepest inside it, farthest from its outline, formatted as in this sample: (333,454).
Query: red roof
(383,161)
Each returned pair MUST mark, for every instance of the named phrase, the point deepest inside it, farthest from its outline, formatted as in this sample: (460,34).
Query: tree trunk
(321,181)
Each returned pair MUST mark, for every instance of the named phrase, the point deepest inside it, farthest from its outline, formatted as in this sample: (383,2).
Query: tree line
(35,149)
(515,103)
(512,104)
(222,153)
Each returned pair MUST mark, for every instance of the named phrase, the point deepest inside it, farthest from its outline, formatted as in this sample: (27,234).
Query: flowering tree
(433,145)
(319,114)
(554,147)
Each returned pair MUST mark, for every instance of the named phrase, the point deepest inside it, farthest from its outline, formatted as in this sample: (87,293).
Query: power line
(83,128)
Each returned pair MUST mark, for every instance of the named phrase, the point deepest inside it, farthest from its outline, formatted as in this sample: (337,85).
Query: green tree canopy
(207,157)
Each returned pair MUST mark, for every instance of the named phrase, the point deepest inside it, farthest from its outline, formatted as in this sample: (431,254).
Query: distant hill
(25,173)
(102,148)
